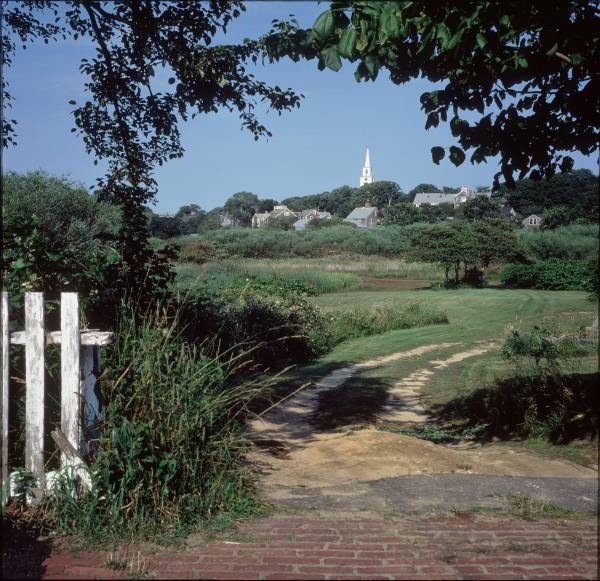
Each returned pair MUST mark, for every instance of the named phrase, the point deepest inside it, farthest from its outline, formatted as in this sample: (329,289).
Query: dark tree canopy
(241,207)
(380,193)
(479,208)
(529,69)
(576,190)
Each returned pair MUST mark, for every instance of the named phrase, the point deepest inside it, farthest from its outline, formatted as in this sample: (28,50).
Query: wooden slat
(93,408)
(72,458)
(54,338)
(5,384)
(34,373)
(70,416)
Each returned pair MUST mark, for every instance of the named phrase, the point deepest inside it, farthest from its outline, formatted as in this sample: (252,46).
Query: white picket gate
(81,407)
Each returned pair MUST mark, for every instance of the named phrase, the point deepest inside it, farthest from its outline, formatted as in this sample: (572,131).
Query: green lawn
(475,316)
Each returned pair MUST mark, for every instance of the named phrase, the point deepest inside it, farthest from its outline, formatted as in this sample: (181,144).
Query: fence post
(70,416)
(34,374)
(5,386)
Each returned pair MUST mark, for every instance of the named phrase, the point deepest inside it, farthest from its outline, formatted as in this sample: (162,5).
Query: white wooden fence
(81,406)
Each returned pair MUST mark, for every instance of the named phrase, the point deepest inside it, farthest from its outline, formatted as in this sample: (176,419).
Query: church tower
(367,176)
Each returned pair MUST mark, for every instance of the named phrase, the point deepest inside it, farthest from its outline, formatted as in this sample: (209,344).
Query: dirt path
(298,460)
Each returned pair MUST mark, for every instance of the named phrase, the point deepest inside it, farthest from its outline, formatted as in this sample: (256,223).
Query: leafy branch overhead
(529,70)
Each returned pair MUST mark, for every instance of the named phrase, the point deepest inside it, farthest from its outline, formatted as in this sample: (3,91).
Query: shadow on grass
(559,409)
(293,380)
(22,554)
(357,401)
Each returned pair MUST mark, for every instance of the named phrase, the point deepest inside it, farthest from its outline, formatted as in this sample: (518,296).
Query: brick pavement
(462,546)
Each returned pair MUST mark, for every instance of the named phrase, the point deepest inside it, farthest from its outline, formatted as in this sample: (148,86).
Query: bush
(198,251)
(546,396)
(549,275)
(518,275)
(314,242)
(275,319)
(574,242)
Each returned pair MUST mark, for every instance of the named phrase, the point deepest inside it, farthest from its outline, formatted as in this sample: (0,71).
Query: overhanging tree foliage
(527,68)
(155,64)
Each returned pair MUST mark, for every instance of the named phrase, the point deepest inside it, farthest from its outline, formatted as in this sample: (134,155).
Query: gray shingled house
(365,217)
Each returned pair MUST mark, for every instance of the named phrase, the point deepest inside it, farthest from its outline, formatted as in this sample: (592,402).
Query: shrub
(518,275)
(573,242)
(282,327)
(549,274)
(198,251)
(546,396)
(314,242)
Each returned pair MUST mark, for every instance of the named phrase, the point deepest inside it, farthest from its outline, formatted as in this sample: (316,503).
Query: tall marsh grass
(360,322)
(170,455)
(226,272)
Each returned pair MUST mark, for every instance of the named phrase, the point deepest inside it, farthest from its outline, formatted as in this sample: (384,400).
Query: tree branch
(113,77)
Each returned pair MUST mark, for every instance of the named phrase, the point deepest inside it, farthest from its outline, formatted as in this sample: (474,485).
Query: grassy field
(372,266)
(322,275)
(476,317)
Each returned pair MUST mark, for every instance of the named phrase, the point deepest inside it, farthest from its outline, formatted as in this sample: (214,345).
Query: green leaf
(331,58)
(443,33)
(19,264)
(347,42)
(505,20)
(481,40)
(553,49)
(323,25)
(437,154)
(522,62)
(454,40)
(372,65)
(457,155)
(390,24)
(362,42)
(576,59)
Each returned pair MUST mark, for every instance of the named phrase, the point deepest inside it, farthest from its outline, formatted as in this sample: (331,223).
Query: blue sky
(313,149)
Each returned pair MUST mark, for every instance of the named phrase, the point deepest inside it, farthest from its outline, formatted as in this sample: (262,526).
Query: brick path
(464,546)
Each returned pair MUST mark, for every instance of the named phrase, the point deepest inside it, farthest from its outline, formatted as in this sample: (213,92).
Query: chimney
(368,204)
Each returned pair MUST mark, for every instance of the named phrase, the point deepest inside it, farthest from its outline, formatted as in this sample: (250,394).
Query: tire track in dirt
(288,424)
(293,457)
(405,403)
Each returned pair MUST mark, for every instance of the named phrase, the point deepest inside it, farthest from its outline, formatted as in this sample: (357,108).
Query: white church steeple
(367,176)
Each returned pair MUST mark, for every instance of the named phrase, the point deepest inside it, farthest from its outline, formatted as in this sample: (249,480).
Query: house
(365,217)
(306,216)
(508,212)
(259,219)
(435,199)
(226,221)
(532,221)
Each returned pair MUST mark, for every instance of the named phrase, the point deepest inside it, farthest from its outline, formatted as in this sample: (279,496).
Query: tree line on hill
(562,199)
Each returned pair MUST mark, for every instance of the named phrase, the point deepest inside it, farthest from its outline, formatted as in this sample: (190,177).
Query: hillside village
(373,203)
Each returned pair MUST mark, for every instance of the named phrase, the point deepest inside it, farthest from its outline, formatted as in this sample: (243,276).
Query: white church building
(367,174)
